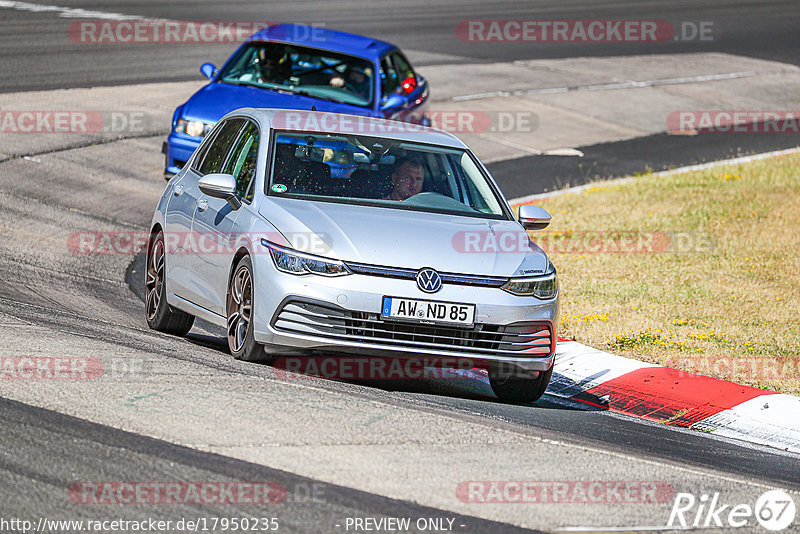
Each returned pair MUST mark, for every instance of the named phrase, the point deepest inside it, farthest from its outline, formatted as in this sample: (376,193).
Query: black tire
(516,389)
(239,313)
(159,314)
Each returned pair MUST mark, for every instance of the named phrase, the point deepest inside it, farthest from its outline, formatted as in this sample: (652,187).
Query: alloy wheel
(240,307)
(154,279)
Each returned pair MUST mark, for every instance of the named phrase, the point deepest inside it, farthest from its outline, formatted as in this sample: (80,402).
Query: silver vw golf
(306,233)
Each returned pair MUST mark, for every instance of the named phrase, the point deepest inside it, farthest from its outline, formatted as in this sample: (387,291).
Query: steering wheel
(431,199)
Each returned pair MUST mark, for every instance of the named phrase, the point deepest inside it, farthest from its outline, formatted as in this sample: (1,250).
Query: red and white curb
(665,395)
(675,398)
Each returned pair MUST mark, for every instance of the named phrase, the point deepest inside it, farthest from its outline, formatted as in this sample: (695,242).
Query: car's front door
(178,223)
(215,220)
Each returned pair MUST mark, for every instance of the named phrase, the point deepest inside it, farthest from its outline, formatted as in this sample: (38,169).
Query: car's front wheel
(160,315)
(516,388)
(241,340)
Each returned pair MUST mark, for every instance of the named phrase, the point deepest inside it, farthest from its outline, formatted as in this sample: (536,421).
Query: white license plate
(428,311)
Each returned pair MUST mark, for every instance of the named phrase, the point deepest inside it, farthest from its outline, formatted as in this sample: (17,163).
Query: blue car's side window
(402,66)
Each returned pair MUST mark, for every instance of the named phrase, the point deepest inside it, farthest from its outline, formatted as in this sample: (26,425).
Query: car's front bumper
(306,314)
(178,149)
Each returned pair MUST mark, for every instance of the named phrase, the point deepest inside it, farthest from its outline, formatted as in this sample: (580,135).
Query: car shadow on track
(464,384)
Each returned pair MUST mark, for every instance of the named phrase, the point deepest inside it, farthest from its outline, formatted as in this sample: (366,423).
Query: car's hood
(409,239)
(216,99)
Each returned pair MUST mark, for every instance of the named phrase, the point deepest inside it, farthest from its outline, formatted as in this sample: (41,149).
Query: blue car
(292,66)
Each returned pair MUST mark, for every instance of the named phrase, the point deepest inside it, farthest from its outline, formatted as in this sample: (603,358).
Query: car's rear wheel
(516,388)
(160,315)
(241,340)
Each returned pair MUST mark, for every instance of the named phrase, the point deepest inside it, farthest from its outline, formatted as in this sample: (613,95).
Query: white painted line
(619,85)
(523,148)
(670,172)
(67,12)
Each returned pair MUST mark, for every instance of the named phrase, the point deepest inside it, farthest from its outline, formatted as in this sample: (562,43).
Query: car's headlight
(193,128)
(293,262)
(542,287)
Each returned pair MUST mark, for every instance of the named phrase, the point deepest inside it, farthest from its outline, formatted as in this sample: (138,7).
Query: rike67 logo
(774,510)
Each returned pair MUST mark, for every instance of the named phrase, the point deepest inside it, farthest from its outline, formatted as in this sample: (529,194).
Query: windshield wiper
(312,95)
(285,90)
(272,87)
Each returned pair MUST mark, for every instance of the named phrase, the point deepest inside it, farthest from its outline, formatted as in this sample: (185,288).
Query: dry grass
(719,294)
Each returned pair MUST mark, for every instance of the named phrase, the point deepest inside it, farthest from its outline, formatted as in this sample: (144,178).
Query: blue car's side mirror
(208,70)
(393,102)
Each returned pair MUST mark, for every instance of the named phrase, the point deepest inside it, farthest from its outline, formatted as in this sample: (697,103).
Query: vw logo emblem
(429,280)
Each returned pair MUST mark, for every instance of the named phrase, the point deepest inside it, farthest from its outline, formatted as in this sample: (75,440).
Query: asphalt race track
(33,48)
(174,409)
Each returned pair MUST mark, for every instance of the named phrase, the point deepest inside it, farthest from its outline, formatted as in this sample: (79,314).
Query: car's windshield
(309,71)
(383,172)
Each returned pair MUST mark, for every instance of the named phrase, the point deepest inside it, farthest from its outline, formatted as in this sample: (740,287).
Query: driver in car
(272,67)
(408,178)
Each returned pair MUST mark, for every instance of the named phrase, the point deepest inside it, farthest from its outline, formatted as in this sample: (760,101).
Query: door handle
(178,190)
(202,204)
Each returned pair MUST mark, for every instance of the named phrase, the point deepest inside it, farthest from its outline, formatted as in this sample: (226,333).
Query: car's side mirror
(393,102)
(533,217)
(209,70)
(219,185)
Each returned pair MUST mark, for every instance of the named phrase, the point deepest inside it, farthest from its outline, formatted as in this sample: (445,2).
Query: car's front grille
(517,340)
(410,274)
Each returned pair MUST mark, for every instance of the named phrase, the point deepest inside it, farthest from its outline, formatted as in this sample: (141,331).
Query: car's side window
(201,152)
(389,78)
(221,145)
(402,66)
(242,162)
